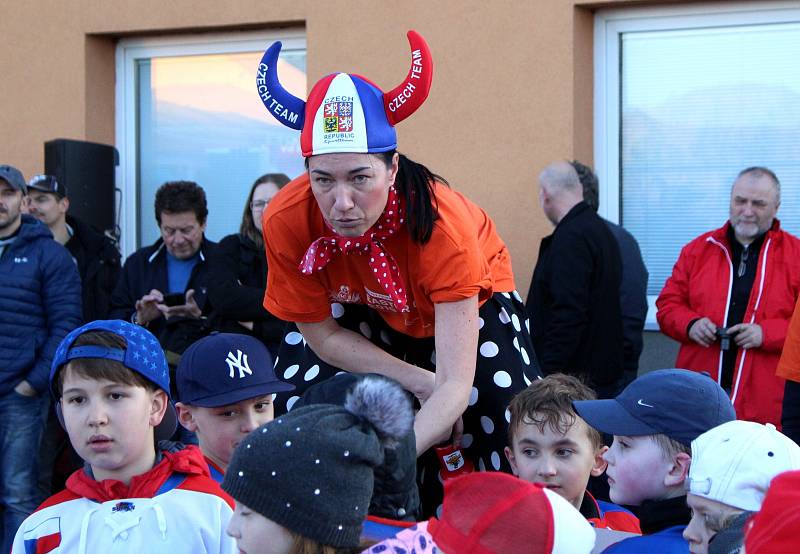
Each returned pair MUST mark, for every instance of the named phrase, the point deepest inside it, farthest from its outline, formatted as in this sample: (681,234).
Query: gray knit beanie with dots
(311,470)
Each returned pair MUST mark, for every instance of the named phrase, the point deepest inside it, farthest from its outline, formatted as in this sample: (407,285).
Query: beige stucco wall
(512,87)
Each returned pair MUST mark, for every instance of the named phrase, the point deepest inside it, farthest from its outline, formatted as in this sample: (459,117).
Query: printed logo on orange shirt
(380,301)
(345,296)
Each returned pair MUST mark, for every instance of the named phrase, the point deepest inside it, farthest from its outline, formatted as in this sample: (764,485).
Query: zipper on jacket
(735,391)
(727,301)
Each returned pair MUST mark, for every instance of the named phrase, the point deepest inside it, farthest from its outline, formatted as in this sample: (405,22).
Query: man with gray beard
(731,296)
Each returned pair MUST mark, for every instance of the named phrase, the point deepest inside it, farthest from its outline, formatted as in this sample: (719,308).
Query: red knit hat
(496,513)
(773,530)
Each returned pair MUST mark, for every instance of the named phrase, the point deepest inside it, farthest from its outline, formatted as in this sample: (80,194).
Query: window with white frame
(685,98)
(187,109)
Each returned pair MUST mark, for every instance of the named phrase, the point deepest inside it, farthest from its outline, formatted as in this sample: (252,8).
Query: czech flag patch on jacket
(43,538)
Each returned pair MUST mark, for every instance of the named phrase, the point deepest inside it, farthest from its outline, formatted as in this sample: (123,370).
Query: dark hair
(248,226)
(100,368)
(181,196)
(304,545)
(415,183)
(590,184)
(548,402)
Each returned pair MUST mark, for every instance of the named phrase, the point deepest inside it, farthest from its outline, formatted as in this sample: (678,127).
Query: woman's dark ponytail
(415,182)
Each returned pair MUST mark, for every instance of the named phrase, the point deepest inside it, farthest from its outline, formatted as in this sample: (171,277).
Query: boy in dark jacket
(654,420)
(226,385)
(395,498)
(550,445)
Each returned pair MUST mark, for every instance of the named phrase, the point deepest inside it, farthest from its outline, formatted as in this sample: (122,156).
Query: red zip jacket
(700,286)
(605,515)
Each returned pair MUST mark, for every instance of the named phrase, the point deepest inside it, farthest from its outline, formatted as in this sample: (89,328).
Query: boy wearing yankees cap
(137,492)
(654,421)
(225,385)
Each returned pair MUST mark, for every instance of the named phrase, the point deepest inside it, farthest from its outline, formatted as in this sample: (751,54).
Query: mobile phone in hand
(174,299)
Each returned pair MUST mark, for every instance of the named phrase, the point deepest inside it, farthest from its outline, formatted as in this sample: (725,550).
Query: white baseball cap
(735,462)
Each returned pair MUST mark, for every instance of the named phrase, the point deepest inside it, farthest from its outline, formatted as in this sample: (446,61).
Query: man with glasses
(95,253)
(164,286)
(40,302)
(731,296)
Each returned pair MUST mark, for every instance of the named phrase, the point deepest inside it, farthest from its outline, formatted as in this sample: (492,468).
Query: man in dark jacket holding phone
(164,286)
(573,302)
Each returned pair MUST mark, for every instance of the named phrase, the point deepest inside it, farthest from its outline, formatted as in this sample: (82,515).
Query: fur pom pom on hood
(384,404)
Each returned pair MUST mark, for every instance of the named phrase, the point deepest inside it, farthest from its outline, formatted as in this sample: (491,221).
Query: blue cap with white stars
(142,355)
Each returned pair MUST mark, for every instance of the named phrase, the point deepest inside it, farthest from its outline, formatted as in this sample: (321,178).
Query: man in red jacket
(731,295)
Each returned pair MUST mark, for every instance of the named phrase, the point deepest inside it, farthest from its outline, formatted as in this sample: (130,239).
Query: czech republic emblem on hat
(346,112)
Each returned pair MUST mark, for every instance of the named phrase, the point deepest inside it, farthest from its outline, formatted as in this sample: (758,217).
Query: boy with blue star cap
(225,385)
(110,382)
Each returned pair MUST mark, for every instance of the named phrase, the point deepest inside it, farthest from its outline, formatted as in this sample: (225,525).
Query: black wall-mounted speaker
(87,171)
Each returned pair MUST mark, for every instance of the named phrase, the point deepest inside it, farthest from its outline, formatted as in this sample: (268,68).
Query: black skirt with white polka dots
(505,365)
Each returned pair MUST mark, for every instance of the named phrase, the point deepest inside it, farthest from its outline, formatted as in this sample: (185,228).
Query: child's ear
(511,460)
(158,407)
(185,416)
(679,470)
(600,464)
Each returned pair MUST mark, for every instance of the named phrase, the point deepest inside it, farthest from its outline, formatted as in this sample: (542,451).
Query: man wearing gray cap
(40,302)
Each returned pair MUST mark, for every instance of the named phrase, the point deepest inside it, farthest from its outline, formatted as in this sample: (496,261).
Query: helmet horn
(405,98)
(281,104)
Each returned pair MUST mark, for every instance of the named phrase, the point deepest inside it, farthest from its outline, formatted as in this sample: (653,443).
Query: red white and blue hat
(347,112)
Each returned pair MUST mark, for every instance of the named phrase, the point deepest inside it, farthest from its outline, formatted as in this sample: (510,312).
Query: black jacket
(146,269)
(632,295)
(98,263)
(574,304)
(237,279)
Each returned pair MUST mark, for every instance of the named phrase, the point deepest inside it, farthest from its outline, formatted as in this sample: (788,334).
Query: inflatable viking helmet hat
(345,112)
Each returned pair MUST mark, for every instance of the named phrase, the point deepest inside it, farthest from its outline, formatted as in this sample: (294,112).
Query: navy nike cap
(678,403)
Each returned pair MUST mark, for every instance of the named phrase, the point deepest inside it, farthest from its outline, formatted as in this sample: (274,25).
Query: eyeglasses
(743,262)
(256,205)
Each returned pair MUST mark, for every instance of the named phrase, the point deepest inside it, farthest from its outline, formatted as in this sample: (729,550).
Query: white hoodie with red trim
(175,508)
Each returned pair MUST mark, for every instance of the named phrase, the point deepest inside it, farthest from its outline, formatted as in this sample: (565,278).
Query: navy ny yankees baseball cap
(226,368)
(678,403)
(143,354)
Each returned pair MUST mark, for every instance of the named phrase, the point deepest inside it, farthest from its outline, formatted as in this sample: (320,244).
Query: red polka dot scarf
(383,266)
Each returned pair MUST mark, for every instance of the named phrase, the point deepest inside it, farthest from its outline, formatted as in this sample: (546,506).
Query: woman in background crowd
(239,271)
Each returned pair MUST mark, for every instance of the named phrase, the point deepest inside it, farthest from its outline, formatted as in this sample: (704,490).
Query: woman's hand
(456,350)
(350,351)
(423,385)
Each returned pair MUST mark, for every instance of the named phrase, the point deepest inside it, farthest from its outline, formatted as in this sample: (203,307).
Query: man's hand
(703,332)
(190,309)
(25,389)
(747,335)
(147,307)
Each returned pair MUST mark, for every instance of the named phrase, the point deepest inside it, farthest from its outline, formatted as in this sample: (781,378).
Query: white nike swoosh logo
(643,404)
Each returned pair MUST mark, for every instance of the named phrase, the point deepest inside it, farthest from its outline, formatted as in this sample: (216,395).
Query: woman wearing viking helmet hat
(384,268)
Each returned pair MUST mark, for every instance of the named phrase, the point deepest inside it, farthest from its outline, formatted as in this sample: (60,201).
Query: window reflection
(697,106)
(201,120)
